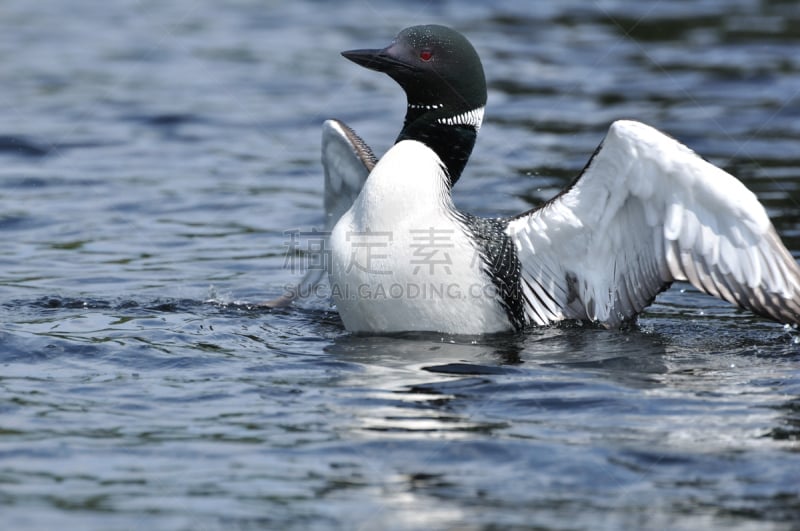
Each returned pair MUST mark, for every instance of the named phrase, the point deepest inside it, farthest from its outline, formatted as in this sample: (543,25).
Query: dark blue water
(152,157)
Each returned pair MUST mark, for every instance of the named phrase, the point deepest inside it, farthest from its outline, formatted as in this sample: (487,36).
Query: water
(153,154)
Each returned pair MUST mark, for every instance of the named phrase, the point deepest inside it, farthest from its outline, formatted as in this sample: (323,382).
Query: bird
(644,212)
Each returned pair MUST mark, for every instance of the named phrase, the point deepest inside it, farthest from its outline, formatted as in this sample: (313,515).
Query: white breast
(401,261)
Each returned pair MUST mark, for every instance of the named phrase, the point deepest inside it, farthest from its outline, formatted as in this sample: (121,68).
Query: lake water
(153,156)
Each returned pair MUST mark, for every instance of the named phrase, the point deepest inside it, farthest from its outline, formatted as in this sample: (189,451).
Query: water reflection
(402,397)
(426,384)
(788,423)
(587,385)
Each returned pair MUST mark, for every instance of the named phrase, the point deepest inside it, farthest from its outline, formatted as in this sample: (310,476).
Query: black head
(443,79)
(435,65)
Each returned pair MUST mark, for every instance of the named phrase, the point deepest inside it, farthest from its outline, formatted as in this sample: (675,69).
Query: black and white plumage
(646,211)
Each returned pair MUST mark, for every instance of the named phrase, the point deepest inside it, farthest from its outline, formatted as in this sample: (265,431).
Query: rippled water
(152,156)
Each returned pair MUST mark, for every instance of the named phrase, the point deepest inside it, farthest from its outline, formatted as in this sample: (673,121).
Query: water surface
(152,157)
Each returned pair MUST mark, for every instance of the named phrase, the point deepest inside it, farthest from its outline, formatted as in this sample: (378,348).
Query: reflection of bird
(644,212)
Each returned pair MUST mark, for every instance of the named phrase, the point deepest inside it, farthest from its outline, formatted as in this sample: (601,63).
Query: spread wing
(347,161)
(647,211)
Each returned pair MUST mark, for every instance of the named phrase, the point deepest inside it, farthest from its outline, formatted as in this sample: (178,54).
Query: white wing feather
(347,161)
(647,211)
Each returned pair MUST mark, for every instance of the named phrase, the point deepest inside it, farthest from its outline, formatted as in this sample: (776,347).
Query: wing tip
(633,129)
(335,127)
(334,130)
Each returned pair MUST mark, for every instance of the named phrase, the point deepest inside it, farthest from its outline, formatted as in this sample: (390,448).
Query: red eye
(426,55)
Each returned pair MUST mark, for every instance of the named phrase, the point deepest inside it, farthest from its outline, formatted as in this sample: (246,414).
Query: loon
(645,211)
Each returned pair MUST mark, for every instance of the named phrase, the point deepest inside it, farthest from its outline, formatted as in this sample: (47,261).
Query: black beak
(381,60)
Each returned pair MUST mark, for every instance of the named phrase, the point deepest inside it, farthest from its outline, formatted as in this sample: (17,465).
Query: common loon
(644,212)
